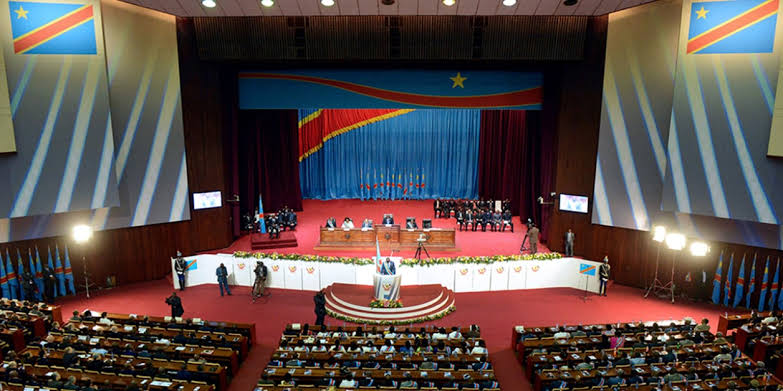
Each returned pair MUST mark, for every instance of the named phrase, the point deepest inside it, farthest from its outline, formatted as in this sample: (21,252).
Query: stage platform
(315,213)
(352,303)
(260,241)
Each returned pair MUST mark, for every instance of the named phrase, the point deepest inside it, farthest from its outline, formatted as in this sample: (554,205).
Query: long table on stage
(388,236)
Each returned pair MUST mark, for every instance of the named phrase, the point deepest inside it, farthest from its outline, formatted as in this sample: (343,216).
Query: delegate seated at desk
(388,220)
(367,223)
(347,223)
(411,224)
(331,223)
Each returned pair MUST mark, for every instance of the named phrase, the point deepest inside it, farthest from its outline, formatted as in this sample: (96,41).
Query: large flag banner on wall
(732,26)
(52,28)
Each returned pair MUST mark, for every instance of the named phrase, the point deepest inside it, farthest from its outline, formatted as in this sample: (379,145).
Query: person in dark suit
(486,219)
(273,227)
(532,235)
(569,243)
(496,221)
(28,285)
(222,276)
(291,222)
(507,220)
(367,224)
(460,215)
(470,219)
(388,219)
(176,305)
(320,307)
(388,267)
(603,274)
(436,207)
(411,224)
(50,281)
(331,223)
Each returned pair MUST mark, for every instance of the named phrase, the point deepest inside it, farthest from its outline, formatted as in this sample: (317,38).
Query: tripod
(87,284)
(523,248)
(658,286)
(418,250)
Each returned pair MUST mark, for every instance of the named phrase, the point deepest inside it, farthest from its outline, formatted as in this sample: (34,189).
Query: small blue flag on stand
(716,282)
(261,222)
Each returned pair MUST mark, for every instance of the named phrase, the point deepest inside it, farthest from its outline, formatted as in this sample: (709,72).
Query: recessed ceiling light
(449,3)
(267,3)
(509,3)
(208,3)
(387,2)
(569,2)
(327,3)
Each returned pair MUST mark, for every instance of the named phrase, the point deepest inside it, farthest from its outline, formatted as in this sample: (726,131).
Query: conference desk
(728,322)
(388,236)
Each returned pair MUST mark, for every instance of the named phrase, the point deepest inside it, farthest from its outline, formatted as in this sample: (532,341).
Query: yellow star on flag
(458,81)
(21,13)
(702,13)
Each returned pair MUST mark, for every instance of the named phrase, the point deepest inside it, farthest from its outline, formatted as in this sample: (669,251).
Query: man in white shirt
(480,348)
(772,318)
(440,334)
(347,223)
(455,334)
(105,319)
(348,383)
(562,334)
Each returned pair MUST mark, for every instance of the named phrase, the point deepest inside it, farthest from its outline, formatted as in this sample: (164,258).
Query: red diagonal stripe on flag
(732,25)
(52,30)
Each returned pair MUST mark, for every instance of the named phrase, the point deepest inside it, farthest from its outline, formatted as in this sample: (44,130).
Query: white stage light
(82,233)
(509,3)
(267,3)
(449,3)
(659,233)
(675,241)
(699,249)
(208,3)
(327,3)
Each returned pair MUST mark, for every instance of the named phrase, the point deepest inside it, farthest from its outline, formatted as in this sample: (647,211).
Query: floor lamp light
(81,234)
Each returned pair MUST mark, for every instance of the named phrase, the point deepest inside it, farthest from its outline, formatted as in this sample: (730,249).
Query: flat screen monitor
(206,200)
(573,203)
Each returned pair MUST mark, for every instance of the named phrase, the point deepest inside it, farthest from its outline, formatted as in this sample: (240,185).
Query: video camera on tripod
(420,241)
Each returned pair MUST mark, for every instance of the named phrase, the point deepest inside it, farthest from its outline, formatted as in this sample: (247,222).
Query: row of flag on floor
(10,277)
(770,296)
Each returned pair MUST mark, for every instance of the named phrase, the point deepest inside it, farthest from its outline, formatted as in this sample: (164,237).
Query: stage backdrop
(389,153)
(383,88)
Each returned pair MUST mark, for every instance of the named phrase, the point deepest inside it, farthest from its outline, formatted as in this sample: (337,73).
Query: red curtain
(268,159)
(516,161)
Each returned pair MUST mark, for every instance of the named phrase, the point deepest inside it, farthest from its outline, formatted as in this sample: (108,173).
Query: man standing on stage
(603,274)
(176,305)
(532,235)
(388,268)
(222,277)
(260,283)
(320,307)
(180,266)
(569,243)
(50,281)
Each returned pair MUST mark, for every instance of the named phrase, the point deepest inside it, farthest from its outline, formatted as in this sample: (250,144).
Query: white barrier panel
(516,275)
(463,278)
(311,280)
(481,278)
(499,276)
(293,274)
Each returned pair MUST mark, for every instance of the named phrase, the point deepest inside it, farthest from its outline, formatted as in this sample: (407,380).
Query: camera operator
(260,282)
(176,305)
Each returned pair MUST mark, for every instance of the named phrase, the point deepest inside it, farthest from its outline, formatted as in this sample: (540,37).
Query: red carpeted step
(352,301)
(262,241)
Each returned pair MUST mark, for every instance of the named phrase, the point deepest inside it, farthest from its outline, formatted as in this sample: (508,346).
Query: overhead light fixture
(208,3)
(675,241)
(449,3)
(327,3)
(659,233)
(267,3)
(387,2)
(699,249)
(509,3)
(569,2)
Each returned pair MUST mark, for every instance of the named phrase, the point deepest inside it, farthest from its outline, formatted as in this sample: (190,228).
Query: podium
(386,286)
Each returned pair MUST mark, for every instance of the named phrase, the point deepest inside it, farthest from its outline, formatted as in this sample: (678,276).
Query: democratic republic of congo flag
(740,26)
(52,28)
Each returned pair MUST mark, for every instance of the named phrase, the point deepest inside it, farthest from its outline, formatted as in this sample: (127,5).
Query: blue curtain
(422,154)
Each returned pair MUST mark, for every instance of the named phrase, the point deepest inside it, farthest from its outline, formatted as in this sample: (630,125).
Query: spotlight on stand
(659,233)
(675,241)
(81,235)
(699,249)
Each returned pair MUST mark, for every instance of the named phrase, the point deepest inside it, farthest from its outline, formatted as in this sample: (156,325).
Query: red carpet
(316,212)
(495,312)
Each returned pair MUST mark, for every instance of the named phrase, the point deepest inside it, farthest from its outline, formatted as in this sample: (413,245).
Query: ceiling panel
(374,7)
(467,7)
(527,7)
(407,7)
